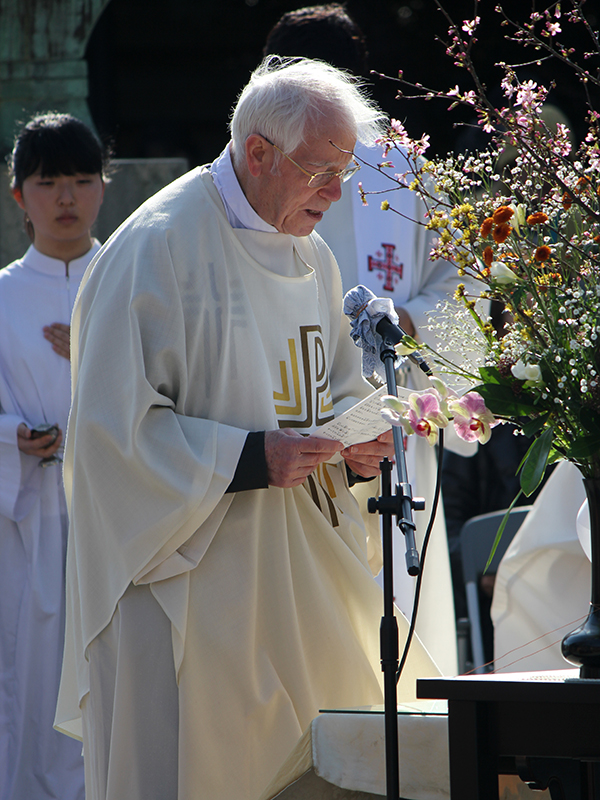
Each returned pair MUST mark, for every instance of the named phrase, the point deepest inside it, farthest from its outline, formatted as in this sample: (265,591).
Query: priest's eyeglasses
(317,180)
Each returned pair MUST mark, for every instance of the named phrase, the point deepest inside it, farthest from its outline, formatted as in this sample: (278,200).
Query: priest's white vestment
(185,343)
(36,762)
(389,253)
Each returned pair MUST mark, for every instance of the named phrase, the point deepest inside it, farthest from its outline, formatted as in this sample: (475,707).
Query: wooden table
(499,724)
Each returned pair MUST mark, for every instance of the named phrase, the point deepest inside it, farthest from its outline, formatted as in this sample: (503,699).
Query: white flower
(501,273)
(519,216)
(526,372)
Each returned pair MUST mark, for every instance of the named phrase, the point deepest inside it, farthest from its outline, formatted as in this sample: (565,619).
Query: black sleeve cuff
(251,471)
(353,477)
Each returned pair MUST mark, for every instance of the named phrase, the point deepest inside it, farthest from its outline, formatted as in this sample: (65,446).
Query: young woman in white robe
(57,171)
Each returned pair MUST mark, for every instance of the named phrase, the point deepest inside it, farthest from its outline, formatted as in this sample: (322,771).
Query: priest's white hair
(287,98)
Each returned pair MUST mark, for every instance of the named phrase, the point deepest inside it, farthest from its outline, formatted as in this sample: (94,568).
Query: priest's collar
(240,213)
(56,266)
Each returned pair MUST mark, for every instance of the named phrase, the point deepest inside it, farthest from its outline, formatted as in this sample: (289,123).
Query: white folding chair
(476,539)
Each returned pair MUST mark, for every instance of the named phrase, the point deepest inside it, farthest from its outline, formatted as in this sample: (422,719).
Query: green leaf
(501,400)
(584,447)
(491,375)
(555,455)
(535,462)
(532,426)
(590,421)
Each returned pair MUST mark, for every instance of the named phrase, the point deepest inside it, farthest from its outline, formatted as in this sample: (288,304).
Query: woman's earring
(28,226)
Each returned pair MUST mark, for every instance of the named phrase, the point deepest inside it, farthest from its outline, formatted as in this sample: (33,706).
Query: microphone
(394,334)
(375,319)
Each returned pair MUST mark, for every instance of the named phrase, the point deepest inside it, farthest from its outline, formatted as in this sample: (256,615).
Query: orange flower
(567,201)
(488,256)
(537,218)
(486,227)
(597,238)
(502,214)
(543,253)
(502,232)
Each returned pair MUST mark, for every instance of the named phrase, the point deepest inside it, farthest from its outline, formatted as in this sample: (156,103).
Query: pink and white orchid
(422,414)
(425,412)
(473,421)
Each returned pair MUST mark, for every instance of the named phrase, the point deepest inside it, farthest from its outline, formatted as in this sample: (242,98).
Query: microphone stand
(400,505)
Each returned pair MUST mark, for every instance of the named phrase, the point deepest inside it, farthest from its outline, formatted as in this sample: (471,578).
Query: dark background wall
(164,75)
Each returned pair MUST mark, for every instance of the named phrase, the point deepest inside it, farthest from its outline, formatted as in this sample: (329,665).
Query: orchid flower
(394,411)
(445,394)
(421,414)
(473,421)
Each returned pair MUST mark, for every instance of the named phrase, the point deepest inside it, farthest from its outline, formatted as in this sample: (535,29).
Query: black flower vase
(582,646)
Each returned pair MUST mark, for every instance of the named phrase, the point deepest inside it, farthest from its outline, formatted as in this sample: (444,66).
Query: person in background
(218,583)
(389,254)
(57,170)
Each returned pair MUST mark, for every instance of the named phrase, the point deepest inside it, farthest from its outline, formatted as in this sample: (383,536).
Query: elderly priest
(219,586)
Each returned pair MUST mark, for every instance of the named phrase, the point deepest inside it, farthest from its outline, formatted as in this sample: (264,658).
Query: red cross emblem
(388,268)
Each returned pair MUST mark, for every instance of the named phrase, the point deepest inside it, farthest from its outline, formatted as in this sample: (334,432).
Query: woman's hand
(42,446)
(59,336)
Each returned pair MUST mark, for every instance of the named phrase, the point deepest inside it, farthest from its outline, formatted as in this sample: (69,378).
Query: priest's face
(283,197)
(62,209)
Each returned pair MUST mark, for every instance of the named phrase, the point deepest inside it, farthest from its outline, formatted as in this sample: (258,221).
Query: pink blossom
(562,142)
(530,96)
(553,28)
(469,26)
(453,92)
(595,159)
(417,147)
(399,134)
(485,121)
(507,86)
(473,421)
(523,120)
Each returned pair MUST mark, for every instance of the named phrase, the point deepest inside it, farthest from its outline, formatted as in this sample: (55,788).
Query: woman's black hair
(326,32)
(56,144)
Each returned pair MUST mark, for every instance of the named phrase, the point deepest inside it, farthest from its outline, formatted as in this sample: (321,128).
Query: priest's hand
(364,458)
(292,457)
(42,447)
(59,336)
